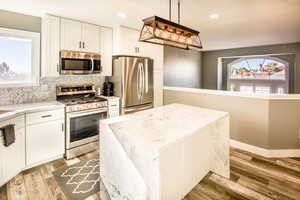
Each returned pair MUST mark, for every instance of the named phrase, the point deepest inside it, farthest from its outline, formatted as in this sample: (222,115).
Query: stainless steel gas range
(83,112)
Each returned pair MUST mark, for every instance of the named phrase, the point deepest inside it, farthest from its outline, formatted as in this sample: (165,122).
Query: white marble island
(162,153)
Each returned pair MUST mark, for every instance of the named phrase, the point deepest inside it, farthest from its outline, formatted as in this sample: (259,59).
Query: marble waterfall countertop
(159,127)
(143,155)
(9,111)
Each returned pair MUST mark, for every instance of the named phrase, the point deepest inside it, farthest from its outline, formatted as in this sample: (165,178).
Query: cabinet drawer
(44,116)
(113,103)
(19,122)
(113,106)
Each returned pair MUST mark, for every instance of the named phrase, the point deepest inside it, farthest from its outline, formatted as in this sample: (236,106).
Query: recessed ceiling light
(122,15)
(214,16)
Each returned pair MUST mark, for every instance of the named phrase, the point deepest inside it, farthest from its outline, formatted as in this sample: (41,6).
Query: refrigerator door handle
(143,80)
(146,75)
(138,83)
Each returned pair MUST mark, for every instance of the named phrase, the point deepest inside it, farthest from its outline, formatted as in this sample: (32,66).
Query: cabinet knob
(80,45)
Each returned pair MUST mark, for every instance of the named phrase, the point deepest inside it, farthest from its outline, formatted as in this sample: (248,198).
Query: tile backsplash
(46,91)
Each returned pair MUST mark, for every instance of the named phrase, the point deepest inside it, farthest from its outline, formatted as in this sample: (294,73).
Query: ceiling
(241,23)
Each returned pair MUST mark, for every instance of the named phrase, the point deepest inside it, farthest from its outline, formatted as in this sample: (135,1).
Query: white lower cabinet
(12,158)
(39,140)
(113,107)
(44,141)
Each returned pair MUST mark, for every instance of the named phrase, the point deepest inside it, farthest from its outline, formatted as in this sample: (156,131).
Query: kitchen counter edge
(20,109)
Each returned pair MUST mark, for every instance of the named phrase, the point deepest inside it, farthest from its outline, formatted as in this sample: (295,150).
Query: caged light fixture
(157,30)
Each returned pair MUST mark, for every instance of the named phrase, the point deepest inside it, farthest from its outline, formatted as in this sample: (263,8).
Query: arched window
(258,74)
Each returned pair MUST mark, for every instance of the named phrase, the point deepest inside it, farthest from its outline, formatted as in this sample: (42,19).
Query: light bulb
(166,34)
(189,41)
(174,37)
(182,39)
(157,32)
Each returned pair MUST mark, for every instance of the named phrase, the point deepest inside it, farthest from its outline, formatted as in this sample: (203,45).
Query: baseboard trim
(278,153)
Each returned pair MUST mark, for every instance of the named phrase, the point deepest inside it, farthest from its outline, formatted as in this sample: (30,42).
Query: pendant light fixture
(157,30)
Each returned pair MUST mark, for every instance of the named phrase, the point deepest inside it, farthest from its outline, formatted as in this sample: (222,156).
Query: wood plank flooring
(252,177)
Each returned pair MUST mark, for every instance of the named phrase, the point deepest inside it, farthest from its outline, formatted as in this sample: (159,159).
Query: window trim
(261,57)
(255,82)
(35,53)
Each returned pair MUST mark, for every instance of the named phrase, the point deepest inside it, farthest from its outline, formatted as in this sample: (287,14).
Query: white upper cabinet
(71,35)
(77,36)
(106,42)
(66,34)
(91,38)
(50,46)
(126,41)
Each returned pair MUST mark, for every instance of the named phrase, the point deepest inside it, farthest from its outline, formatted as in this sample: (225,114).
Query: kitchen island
(162,153)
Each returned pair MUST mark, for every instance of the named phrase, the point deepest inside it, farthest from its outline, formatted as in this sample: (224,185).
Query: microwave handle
(92,64)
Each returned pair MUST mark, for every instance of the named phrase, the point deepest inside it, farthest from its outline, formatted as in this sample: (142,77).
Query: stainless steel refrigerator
(133,82)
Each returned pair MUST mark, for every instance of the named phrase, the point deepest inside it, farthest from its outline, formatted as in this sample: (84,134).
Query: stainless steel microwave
(76,62)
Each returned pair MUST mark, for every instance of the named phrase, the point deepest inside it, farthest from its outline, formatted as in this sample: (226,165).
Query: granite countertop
(161,126)
(9,111)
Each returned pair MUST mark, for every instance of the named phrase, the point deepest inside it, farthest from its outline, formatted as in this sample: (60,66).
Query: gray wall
(19,21)
(182,68)
(284,124)
(210,61)
(46,90)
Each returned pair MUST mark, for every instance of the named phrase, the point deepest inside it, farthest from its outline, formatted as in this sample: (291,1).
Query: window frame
(260,57)
(272,83)
(35,54)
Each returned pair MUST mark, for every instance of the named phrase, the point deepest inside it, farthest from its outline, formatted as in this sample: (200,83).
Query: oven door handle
(83,113)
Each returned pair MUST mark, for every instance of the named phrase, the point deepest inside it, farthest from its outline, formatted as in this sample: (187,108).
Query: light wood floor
(252,178)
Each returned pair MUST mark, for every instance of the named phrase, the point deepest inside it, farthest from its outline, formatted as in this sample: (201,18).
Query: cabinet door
(12,157)
(91,38)
(50,46)
(44,141)
(71,35)
(106,50)
(130,44)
